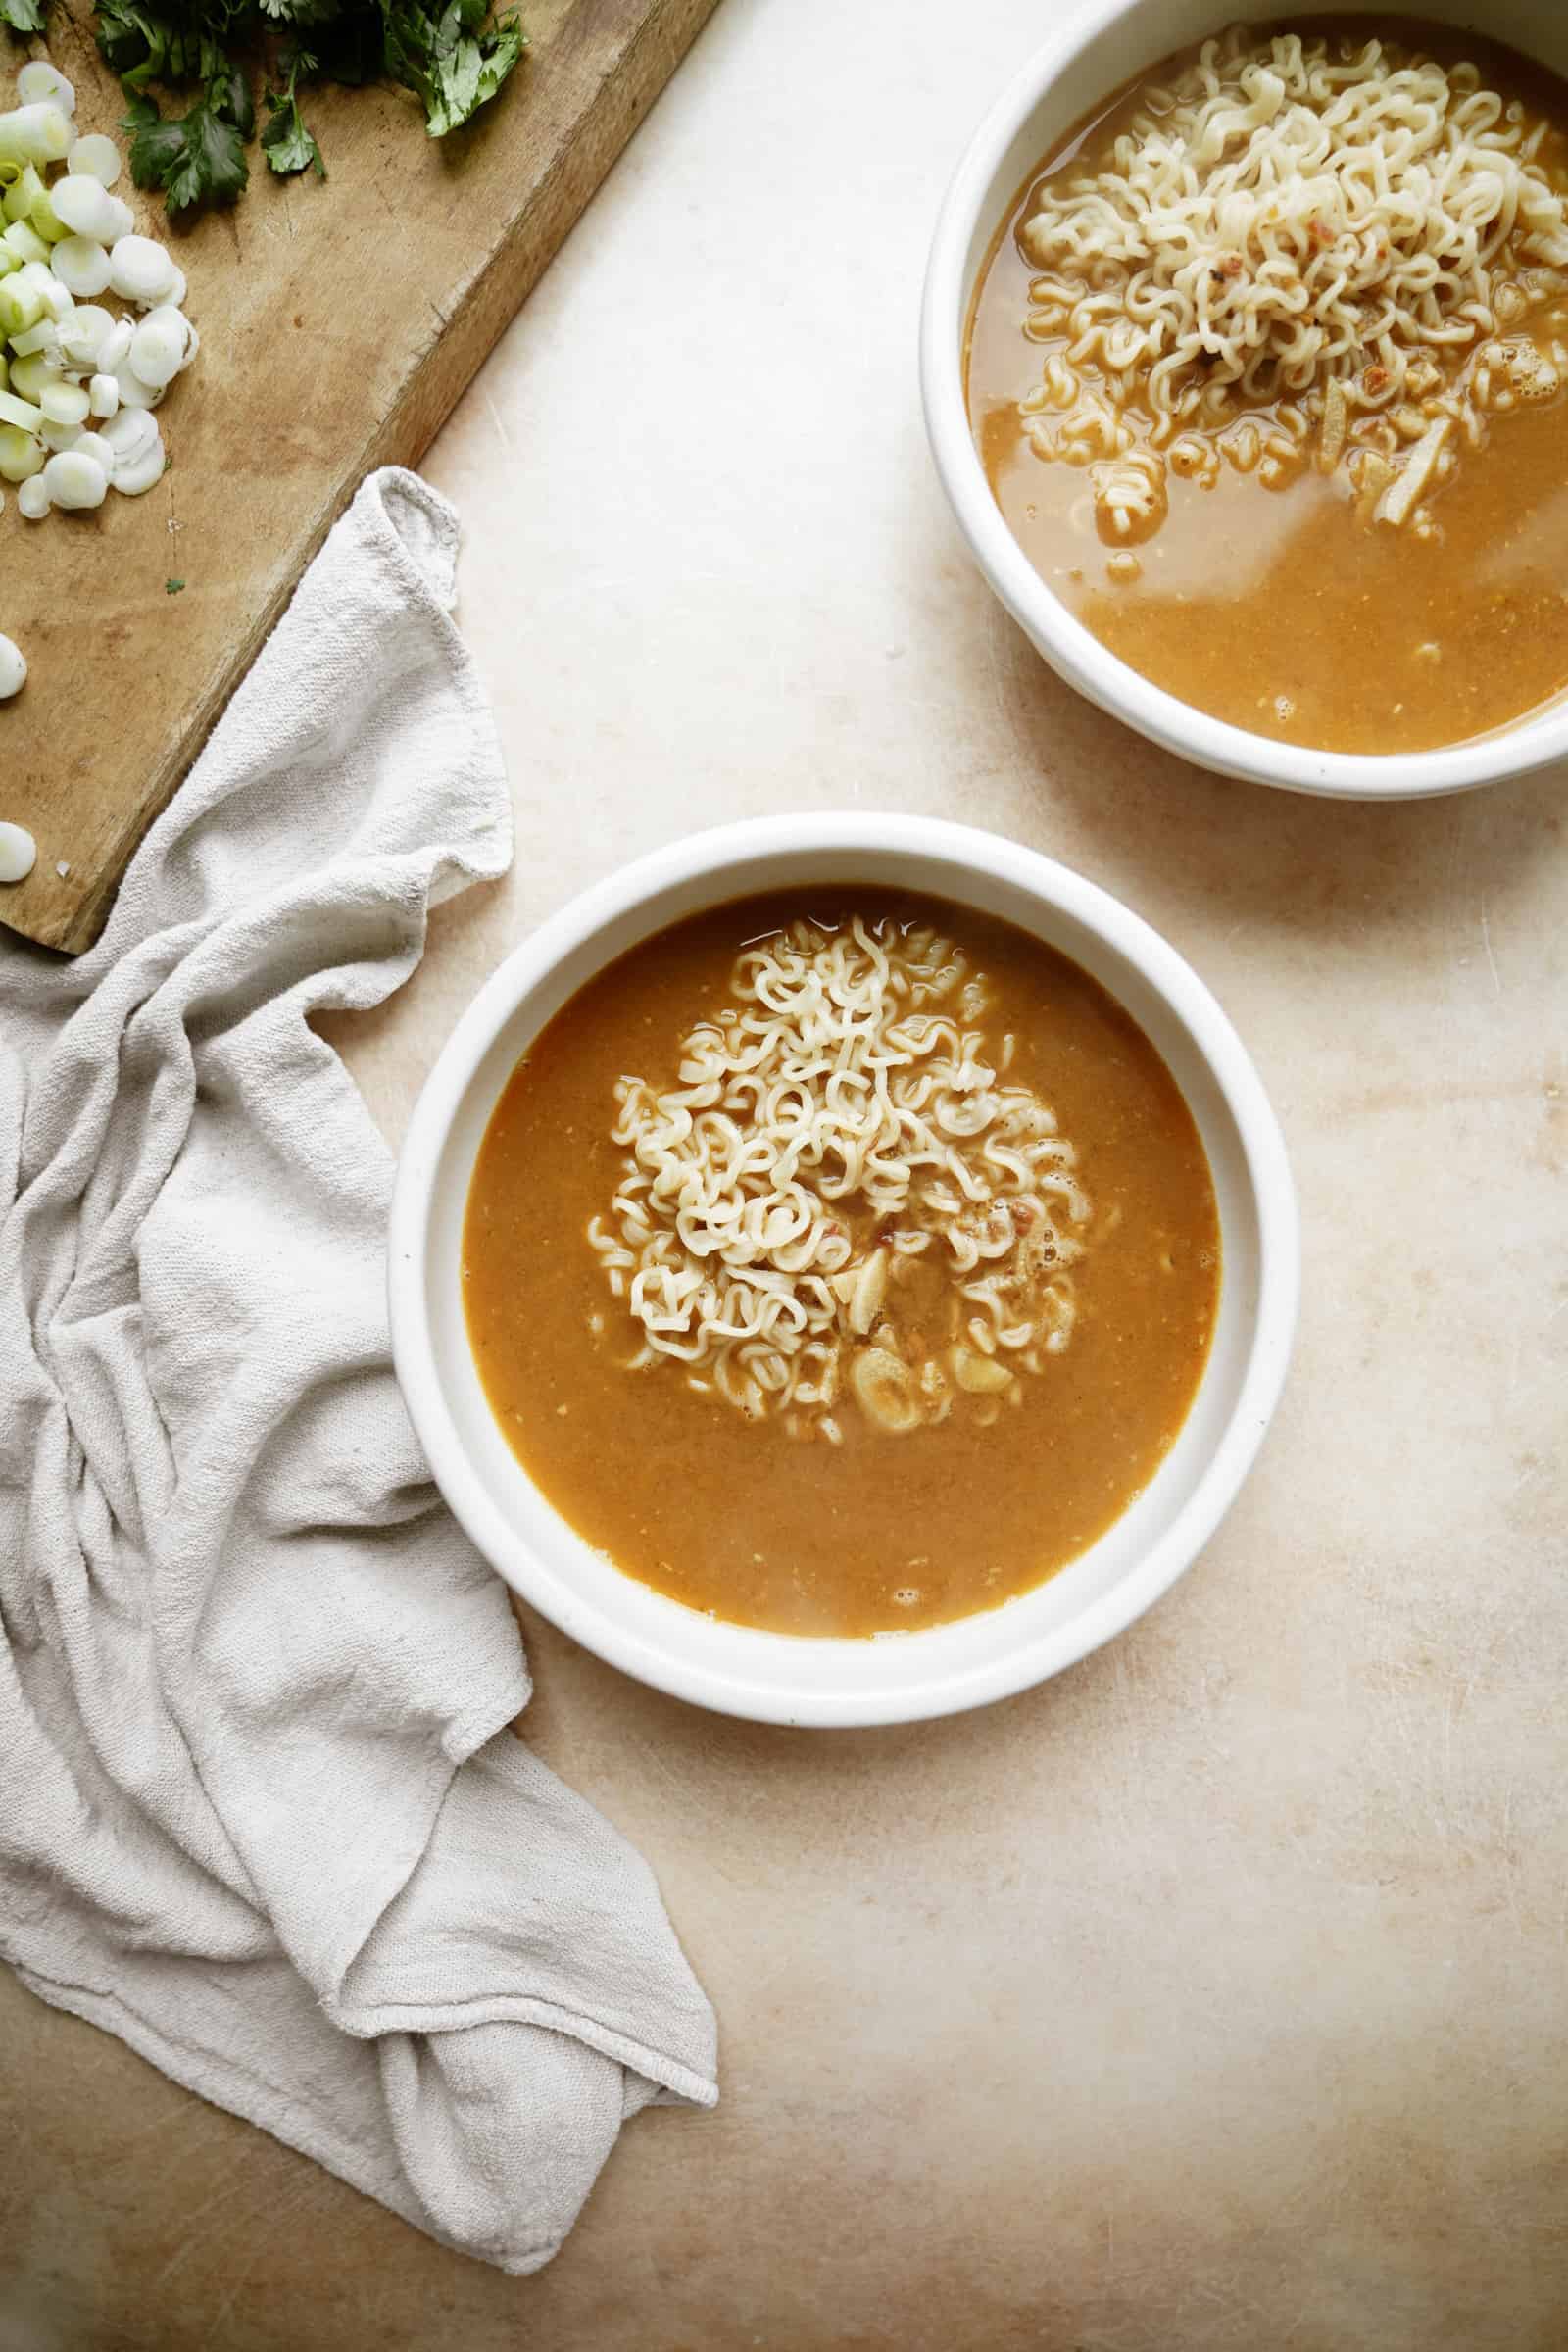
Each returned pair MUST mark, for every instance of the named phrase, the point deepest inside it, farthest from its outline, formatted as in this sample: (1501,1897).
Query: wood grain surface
(340,323)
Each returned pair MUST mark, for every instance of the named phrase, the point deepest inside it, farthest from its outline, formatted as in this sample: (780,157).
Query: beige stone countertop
(1212,1997)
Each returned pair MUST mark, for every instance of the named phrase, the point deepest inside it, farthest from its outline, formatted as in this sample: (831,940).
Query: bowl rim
(964,853)
(1521,749)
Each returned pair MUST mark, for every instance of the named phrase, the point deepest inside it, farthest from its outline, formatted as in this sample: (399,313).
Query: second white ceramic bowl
(1104,46)
(780,1678)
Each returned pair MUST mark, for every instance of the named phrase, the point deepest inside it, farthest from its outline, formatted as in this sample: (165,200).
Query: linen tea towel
(260,1813)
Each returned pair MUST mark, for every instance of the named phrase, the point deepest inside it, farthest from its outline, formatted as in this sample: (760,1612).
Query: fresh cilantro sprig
(174,41)
(287,142)
(454,59)
(195,156)
(454,55)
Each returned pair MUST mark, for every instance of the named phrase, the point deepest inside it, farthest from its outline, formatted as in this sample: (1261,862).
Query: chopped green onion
(20,453)
(22,193)
(35,134)
(19,413)
(45,221)
(133,393)
(131,433)
(141,270)
(31,374)
(86,207)
(24,240)
(74,482)
(64,404)
(66,440)
(136,475)
(39,83)
(83,335)
(161,346)
(20,305)
(98,157)
(80,265)
(55,297)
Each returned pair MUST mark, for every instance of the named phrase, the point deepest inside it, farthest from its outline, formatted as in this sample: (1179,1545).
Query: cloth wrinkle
(261,1812)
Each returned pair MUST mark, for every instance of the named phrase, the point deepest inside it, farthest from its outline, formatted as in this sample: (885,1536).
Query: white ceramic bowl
(1103,44)
(781,1678)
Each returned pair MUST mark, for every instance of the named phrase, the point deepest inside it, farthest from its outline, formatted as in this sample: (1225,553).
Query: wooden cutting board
(340,323)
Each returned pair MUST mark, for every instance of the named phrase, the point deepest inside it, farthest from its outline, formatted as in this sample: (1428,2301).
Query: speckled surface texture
(1214,1996)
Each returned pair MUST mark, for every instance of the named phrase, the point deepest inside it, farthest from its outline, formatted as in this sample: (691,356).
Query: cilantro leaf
(454,60)
(195,157)
(143,44)
(22,15)
(305,12)
(228,94)
(287,142)
(452,54)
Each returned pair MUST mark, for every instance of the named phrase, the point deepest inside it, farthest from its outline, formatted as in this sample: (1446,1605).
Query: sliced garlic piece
(885,1390)
(980,1375)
